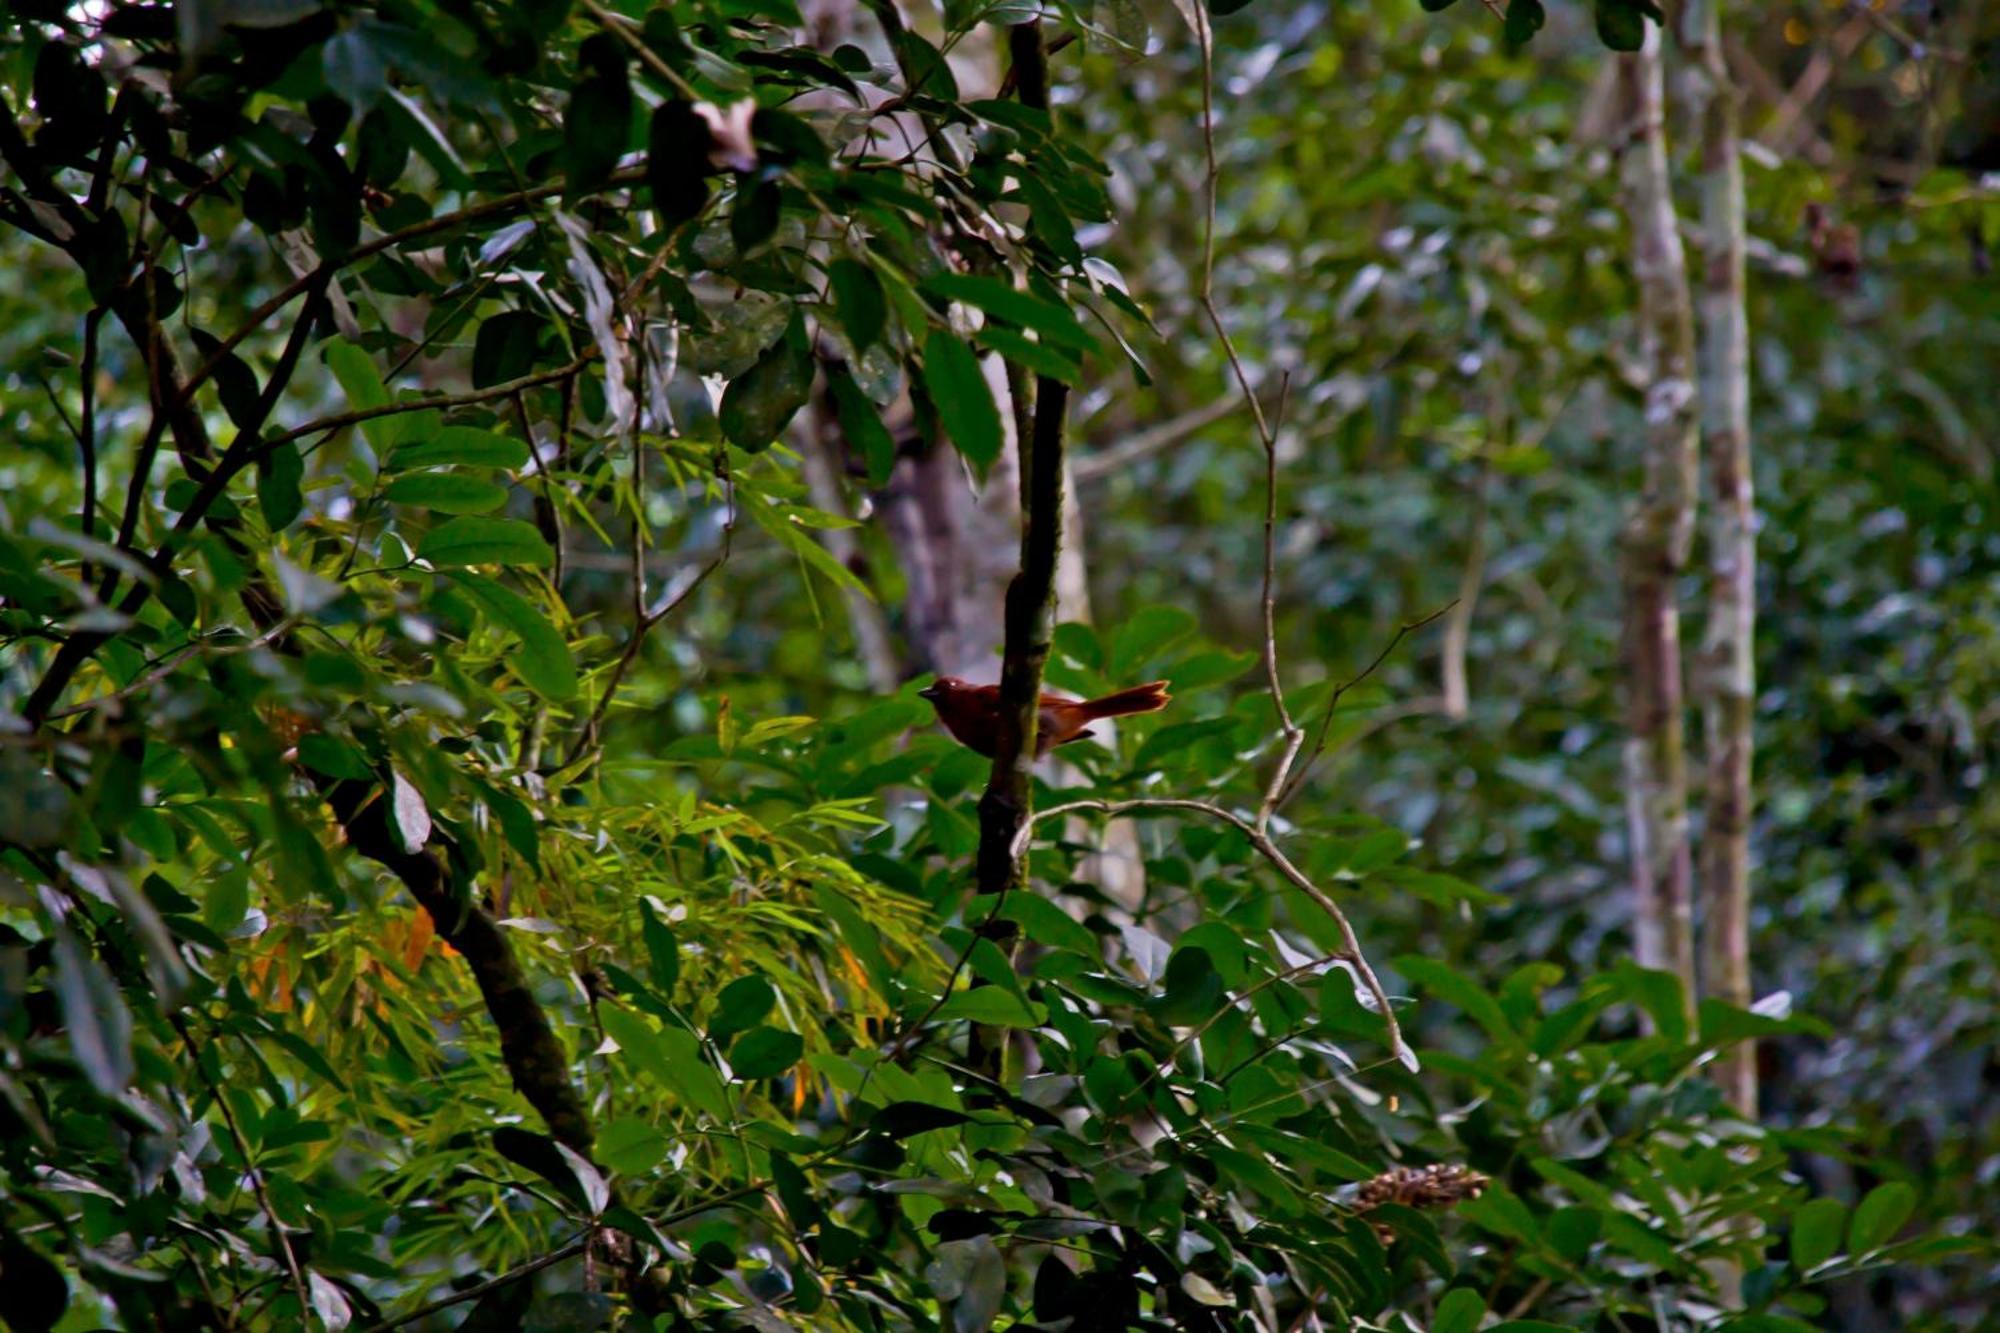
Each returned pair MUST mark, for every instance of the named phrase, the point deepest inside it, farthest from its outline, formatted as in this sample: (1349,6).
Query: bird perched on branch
(971,713)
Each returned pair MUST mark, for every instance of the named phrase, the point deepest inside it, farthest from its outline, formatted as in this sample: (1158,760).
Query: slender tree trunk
(1726,678)
(1658,531)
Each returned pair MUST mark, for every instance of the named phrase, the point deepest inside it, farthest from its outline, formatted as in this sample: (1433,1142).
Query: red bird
(971,712)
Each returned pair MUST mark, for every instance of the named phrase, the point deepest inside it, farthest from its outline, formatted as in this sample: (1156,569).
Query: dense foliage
(448,832)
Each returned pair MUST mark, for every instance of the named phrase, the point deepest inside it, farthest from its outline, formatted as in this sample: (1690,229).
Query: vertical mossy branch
(1726,671)
(1658,530)
(1031,596)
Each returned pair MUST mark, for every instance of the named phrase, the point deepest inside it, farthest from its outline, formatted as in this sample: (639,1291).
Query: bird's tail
(1147,698)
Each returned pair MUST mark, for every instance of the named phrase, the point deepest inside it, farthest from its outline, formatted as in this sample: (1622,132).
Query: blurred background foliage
(748,884)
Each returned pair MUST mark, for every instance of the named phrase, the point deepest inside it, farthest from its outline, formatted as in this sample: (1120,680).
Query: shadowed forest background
(482,485)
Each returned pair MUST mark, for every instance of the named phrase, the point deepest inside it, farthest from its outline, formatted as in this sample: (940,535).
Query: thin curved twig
(1272,853)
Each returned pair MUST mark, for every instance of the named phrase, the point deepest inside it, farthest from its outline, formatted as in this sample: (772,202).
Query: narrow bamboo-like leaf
(544,661)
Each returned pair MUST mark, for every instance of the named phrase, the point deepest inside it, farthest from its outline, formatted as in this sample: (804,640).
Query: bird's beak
(930,692)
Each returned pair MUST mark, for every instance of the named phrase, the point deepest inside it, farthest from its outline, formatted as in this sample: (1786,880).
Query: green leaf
(1880,1215)
(462,445)
(992,1005)
(279,471)
(1524,19)
(1191,990)
(663,950)
(758,403)
(671,1057)
(1620,24)
(964,401)
(94,1016)
(754,219)
(505,347)
(362,383)
(544,661)
(1459,990)
(765,1052)
(1041,358)
(1572,1231)
(1659,993)
(446,492)
(485,541)
(599,114)
(1047,924)
(1146,635)
(630,1146)
(677,162)
(859,302)
(1626,1232)
(1816,1230)
(901,1120)
(862,425)
(235,382)
(741,1005)
(354,69)
(996,297)
(334,757)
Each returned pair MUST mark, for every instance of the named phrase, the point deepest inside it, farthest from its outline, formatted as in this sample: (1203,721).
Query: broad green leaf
(1880,1215)
(963,399)
(1047,924)
(464,445)
(1457,989)
(997,297)
(859,302)
(765,1052)
(1524,19)
(485,541)
(1621,24)
(279,471)
(741,1005)
(1816,1232)
(446,492)
(1191,990)
(759,403)
(992,1005)
(334,757)
(1659,993)
(505,347)
(544,661)
(362,383)
(630,1146)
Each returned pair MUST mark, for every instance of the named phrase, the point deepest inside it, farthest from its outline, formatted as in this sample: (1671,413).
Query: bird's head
(940,688)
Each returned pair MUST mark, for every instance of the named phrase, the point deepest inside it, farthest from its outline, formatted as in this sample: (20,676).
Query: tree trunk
(1658,530)
(1726,675)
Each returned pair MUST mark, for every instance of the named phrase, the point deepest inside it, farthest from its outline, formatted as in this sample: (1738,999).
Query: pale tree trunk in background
(1658,530)
(820,452)
(1726,677)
